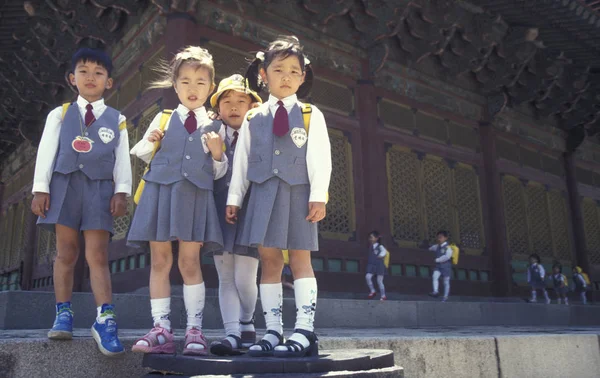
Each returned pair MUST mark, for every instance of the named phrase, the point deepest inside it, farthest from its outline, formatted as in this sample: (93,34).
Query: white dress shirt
(447,254)
(143,149)
(318,155)
(48,148)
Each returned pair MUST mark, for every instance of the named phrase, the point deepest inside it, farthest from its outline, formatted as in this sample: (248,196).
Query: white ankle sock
(161,308)
(194,298)
(271,298)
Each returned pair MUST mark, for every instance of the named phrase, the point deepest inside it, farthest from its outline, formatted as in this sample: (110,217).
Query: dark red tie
(281,124)
(89,116)
(190,123)
(234,141)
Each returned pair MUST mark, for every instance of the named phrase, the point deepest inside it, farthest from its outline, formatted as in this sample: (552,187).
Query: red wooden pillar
(576,217)
(495,223)
(181,31)
(376,216)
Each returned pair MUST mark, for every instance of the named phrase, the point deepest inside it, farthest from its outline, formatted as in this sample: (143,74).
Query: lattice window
(515,213)
(403,178)
(17,244)
(468,205)
(591,222)
(557,207)
(539,221)
(436,189)
(340,220)
(46,246)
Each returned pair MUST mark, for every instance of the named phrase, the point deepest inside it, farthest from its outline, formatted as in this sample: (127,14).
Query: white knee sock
(546,295)
(446,286)
(161,309)
(583,298)
(533,295)
(193,298)
(381,286)
(305,292)
(369,279)
(436,281)
(271,299)
(229,303)
(245,283)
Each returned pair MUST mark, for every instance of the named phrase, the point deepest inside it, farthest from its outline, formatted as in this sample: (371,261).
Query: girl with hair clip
(289,167)
(177,201)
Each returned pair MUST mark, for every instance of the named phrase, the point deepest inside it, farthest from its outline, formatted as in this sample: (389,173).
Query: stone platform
(35,310)
(422,352)
(366,362)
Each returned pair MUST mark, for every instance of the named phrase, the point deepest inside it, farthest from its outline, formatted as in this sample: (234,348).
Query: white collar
(96,105)
(288,101)
(200,113)
(230,131)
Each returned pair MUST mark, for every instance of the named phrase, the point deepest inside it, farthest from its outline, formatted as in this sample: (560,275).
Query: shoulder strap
(65,107)
(164,118)
(251,113)
(306,112)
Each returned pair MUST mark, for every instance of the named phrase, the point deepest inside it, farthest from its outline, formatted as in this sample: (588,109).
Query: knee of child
(67,255)
(97,259)
(189,264)
(161,262)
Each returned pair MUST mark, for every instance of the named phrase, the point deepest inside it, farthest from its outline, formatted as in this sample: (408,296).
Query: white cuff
(123,188)
(234,200)
(40,187)
(318,196)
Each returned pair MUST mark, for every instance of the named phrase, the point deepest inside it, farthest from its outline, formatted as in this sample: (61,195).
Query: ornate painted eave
(540,54)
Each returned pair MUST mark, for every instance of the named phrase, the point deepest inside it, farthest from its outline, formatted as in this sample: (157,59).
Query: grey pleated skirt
(176,211)
(276,217)
(230,231)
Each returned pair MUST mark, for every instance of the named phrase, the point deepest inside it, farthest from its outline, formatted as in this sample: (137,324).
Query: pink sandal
(195,336)
(154,345)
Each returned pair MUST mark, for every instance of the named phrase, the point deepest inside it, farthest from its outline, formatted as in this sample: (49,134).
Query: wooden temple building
(479,117)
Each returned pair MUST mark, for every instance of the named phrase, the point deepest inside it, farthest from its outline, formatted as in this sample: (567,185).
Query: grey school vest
(534,273)
(271,155)
(441,251)
(99,163)
(222,184)
(182,157)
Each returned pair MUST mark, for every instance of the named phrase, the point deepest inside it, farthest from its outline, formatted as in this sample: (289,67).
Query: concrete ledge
(35,310)
(433,352)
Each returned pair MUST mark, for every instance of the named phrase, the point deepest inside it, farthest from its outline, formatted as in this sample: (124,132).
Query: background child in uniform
(375,265)
(289,168)
(81,181)
(443,265)
(236,265)
(560,286)
(177,202)
(580,286)
(536,278)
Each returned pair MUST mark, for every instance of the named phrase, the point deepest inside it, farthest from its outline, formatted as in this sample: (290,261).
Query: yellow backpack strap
(65,107)
(251,113)
(306,112)
(164,119)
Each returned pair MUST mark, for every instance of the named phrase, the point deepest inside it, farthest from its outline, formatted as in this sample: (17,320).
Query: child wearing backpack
(443,265)
(376,265)
(536,276)
(560,283)
(580,283)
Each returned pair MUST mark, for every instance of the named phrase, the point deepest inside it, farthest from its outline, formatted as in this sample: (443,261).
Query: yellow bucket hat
(233,83)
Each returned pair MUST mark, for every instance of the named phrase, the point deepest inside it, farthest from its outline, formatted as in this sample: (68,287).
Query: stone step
(391,372)
(35,310)
(429,352)
(327,361)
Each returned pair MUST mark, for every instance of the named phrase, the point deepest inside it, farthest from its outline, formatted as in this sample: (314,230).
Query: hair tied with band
(260,56)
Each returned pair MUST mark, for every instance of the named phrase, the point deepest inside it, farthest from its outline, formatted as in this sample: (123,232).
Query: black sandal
(295,349)
(266,346)
(224,347)
(248,337)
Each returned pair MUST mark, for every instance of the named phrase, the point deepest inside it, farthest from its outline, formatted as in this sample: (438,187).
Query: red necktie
(190,123)
(234,141)
(281,124)
(89,116)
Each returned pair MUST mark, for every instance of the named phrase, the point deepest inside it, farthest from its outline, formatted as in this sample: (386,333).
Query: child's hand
(231,214)
(40,204)
(155,136)
(214,144)
(316,211)
(118,205)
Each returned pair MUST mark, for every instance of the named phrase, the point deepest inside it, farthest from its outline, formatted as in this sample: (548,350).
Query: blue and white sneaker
(63,324)
(105,333)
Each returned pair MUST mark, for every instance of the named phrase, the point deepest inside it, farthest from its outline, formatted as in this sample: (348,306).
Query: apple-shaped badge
(82,144)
